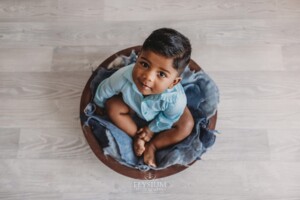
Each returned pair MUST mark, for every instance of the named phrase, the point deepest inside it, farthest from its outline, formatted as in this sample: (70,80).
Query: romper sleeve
(165,119)
(110,86)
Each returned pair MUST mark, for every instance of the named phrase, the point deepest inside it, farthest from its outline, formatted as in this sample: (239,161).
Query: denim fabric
(124,148)
(202,92)
(202,100)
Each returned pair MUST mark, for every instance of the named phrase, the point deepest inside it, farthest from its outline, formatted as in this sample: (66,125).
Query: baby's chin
(145,90)
(149,93)
(146,93)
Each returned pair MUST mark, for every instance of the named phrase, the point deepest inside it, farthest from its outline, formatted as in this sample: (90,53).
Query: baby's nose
(149,76)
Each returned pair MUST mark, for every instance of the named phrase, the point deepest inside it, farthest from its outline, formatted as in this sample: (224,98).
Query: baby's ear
(175,82)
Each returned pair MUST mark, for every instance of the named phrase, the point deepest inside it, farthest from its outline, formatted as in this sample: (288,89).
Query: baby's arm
(165,119)
(110,87)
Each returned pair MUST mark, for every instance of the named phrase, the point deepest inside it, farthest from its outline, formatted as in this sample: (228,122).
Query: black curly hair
(171,44)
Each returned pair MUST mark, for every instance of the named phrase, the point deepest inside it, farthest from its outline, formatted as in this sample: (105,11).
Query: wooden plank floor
(48,49)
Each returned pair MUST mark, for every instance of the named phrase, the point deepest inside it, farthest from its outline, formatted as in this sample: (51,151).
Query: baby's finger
(147,138)
(142,135)
(139,131)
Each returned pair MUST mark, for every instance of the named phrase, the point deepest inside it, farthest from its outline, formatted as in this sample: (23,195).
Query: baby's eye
(162,74)
(144,64)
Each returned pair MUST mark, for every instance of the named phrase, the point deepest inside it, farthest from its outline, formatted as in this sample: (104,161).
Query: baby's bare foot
(138,146)
(149,155)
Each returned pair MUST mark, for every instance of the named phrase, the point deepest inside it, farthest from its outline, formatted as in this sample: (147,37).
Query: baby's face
(153,73)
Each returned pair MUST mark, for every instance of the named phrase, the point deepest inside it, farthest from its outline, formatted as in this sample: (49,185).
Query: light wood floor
(249,47)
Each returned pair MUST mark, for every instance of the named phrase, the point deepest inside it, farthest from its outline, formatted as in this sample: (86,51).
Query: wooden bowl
(97,149)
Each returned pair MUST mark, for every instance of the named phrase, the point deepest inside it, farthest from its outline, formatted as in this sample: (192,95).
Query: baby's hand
(145,134)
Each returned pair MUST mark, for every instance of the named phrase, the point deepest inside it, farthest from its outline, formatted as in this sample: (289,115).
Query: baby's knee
(109,104)
(112,106)
(115,105)
(186,127)
(189,125)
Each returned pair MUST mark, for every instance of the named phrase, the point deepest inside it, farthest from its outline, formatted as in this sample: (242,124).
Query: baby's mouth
(145,86)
